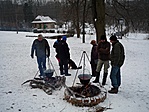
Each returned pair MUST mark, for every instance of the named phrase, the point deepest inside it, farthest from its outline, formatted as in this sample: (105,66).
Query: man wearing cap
(42,49)
(64,56)
(117,60)
(103,49)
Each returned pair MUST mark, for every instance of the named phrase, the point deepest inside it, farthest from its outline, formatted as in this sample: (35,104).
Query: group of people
(101,56)
(42,50)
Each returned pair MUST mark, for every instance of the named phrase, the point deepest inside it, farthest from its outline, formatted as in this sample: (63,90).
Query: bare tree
(98,7)
(134,12)
(76,7)
(83,22)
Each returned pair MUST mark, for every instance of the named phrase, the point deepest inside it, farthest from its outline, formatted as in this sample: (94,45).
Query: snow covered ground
(16,66)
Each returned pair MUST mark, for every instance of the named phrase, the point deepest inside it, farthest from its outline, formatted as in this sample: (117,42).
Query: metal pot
(84,78)
(49,73)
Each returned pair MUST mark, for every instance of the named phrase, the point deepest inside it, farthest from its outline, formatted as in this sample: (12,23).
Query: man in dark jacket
(117,60)
(64,55)
(42,49)
(103,49)
(94,57)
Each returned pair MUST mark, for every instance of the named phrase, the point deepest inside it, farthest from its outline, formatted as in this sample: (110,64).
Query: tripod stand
(82,57)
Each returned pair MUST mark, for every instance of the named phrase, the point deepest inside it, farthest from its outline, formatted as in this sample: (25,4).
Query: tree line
(19,15)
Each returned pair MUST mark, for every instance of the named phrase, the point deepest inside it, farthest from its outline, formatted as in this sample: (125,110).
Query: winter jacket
(117,54)
(56,43)
(94,54)
(55,46)
(63,50)
(41,48)
(103,49)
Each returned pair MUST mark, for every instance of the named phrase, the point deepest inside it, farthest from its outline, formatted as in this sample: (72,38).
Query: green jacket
(117,54)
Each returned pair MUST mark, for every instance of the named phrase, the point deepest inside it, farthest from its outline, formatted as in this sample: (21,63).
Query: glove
(48,56)
(32,56)
(91,62)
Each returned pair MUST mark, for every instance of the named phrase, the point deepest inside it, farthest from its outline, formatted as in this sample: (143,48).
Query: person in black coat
(94,57)
(64,56)
(55,46)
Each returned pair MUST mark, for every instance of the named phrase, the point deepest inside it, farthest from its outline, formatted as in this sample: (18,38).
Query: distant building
(43,23)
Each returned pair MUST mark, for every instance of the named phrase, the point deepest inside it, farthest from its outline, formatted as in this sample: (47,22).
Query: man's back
(63,50)
(103,49)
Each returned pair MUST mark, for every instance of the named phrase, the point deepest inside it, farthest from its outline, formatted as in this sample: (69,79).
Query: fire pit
(89,95)
(86,94)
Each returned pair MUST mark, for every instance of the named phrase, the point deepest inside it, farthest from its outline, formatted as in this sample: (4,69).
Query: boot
(104,78)
(97,78)
(113,90)
(68,74)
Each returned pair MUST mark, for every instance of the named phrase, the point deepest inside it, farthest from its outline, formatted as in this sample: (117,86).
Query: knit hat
(64,38)
(40,36)
(103,37)
(113,38)
(59,37)
(93,42)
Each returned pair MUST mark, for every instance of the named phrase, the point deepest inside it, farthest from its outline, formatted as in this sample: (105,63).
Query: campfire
(48,85)
(86,91)
(87,94)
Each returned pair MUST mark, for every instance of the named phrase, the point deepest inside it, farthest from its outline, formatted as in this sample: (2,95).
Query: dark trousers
(63,66)
(93,66)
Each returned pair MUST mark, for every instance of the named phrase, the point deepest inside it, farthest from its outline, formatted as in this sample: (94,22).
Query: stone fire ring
(87,101)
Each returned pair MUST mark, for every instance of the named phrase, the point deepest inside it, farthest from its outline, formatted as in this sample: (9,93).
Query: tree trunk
(84,10)
(78,30)
(78,19)
(99,17)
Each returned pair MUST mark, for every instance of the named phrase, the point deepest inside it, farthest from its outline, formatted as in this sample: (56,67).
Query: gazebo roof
(43,19)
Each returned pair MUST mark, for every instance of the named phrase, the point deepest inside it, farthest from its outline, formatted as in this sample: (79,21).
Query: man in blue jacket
(42,49)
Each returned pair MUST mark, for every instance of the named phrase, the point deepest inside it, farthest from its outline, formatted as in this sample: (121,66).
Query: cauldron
(84,78)
(49,73)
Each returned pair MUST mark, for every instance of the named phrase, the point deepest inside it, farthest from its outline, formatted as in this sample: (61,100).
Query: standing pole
(77,70)
(83,55)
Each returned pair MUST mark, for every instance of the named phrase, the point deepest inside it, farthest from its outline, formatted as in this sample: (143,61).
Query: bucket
(49,73)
